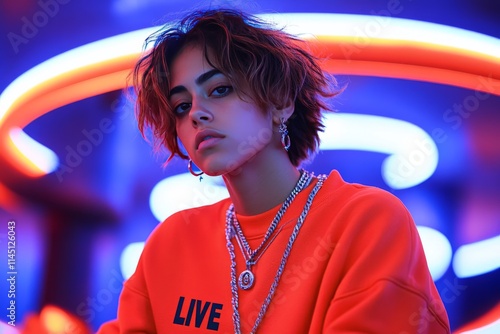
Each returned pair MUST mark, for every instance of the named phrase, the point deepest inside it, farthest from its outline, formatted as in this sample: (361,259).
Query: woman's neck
(260,186)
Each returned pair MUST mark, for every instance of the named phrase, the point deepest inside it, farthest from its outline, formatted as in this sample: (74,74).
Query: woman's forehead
(189,64)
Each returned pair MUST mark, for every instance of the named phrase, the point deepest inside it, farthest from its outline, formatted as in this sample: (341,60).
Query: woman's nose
(200,114)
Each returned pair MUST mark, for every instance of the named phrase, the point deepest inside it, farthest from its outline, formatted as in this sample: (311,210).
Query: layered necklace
(247,277)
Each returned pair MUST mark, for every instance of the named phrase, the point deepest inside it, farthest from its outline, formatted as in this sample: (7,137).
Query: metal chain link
(230,233)
(304,180)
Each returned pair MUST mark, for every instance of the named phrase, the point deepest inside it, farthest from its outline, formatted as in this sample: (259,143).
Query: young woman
(288,251)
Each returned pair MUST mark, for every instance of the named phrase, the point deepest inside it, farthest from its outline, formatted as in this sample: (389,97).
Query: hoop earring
(285,138)
(190,169)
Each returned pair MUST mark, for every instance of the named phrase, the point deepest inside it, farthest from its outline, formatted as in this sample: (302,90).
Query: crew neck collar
(255,226)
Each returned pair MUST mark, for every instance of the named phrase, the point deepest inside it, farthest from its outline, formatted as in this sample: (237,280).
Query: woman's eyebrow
(199,81)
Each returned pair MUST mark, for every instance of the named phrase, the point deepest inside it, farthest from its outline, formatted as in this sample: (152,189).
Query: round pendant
(246,279)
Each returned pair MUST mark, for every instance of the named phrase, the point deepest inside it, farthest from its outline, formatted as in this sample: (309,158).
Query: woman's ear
(284,112)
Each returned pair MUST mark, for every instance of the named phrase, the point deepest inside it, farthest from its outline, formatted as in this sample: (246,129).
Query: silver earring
(285,138)
(190,169)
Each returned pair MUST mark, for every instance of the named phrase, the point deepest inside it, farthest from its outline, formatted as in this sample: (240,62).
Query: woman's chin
(223,171)
(214,171)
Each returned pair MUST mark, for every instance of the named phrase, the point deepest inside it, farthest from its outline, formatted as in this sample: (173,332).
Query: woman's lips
(208,142)
(207,138)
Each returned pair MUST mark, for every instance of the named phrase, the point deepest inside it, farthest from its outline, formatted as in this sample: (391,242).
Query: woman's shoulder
(339,190)
(199,213)
(365,212)
(188,221)
(352,204)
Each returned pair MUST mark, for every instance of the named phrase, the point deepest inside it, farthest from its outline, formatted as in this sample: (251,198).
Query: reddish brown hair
(263,63)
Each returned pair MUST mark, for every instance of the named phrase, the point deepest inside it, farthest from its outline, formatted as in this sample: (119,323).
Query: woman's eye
(182,108)
(222,91)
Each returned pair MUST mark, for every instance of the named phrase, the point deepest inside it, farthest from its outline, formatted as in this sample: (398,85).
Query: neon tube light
(398,48)
(477,258)
(413,155)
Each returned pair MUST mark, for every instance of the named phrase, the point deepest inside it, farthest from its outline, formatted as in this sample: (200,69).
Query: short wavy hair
(268,65)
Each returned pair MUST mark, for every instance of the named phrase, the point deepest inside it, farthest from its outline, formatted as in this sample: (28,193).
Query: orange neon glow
(401,59)
(20,160)
(54,320)
(410,60)
(9,200)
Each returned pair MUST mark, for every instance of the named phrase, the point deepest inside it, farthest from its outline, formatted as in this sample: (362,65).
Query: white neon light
(385,27)
(184,191)
(363,26)
(37,153)
(477,258)
(86,55)
(130,257)
(413,154)
(437,251)
(298,23)
(493,328)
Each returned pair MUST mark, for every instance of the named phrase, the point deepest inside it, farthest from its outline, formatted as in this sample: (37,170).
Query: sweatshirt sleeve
(386,286)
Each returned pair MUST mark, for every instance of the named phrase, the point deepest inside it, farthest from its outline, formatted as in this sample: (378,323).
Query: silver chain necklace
(230,247)
(247,277)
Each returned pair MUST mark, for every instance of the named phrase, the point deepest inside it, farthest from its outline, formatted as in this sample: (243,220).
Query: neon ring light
(352,45)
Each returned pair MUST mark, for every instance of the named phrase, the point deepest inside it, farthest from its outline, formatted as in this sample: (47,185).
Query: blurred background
(80,227)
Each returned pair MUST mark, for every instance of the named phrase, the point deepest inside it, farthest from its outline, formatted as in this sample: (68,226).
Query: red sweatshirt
(357,266)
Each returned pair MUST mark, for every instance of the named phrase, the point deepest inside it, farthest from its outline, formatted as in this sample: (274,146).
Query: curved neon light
(413,155)
(86,71)
(183,191)
(129,258)
(398,48)
(477,258)
(437,250)
(493,328)
(488,323)
(41,156)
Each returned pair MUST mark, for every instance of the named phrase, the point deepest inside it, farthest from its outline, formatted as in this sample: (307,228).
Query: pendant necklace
(230,233)
(247,277)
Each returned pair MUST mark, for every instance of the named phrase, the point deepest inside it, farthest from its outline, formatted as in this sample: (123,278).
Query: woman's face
(220,131)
